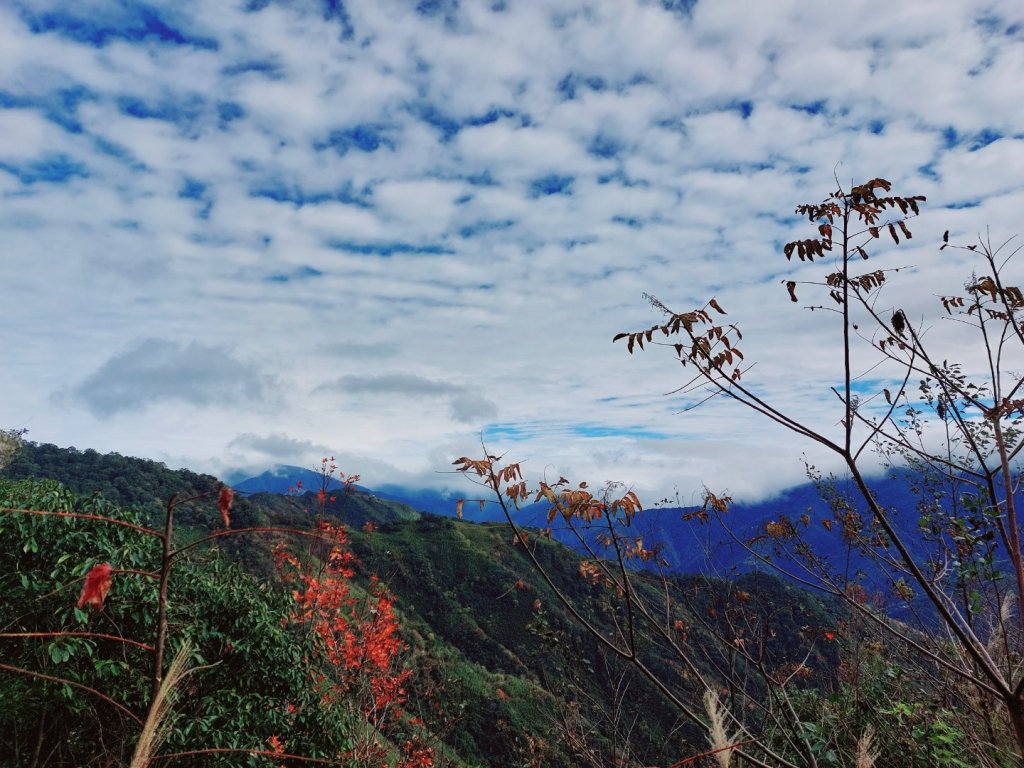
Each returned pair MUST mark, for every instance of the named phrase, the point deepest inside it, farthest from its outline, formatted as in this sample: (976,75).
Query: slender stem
(626,586)
(236,531)
(257,752)
(73,684)
(39,740)
(161,622)
(1011,511)
(702,755)
(1015,709)
(847,375)
(81,516)
(99,635)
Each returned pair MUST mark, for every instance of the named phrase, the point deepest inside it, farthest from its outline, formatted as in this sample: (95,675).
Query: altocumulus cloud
(258,172)
(155,370)
(466,404)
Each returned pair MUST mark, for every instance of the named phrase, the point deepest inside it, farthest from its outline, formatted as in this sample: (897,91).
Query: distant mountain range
(713,548)
(285,478)
(688,546)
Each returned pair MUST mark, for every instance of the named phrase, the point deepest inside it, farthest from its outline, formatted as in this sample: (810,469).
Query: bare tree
(691,638)
(950,412)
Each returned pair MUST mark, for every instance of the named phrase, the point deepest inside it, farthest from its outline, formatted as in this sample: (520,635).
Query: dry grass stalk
(718,733)
(865,757)
(996,644)
(155,729)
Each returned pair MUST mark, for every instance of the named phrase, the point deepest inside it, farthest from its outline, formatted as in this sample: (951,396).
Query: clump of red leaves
(224,504)
(97,584)
(357,642)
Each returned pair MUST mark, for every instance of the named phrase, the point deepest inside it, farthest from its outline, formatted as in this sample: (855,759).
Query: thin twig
(72,683)
(82,516)
(99,635)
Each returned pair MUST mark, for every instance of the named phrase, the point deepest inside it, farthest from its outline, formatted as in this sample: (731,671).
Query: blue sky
(238,233)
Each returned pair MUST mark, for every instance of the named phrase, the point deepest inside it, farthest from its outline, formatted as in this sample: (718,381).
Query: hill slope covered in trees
(504,674)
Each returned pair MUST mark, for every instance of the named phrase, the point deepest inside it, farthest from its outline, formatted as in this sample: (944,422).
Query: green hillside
(503,674)
(121,480)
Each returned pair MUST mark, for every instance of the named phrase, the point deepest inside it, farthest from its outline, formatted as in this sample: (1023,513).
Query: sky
(241,233)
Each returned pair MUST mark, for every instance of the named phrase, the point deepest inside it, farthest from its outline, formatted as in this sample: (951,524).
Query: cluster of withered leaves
(713,348)
(577,507)
(861,204)
(708,346)
(225,500)
(571,504)
(865,205)
(711,503)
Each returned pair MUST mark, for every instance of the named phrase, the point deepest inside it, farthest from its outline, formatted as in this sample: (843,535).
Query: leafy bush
(75,685)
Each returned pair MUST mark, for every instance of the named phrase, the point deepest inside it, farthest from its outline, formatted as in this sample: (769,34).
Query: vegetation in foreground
(496,671)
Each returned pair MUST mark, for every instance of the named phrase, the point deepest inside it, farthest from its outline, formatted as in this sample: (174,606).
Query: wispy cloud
(466,405)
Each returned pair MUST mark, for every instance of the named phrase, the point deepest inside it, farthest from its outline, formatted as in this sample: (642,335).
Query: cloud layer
(390,228)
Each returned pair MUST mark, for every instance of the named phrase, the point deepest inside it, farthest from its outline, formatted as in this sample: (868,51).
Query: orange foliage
(224,504)
(358,641)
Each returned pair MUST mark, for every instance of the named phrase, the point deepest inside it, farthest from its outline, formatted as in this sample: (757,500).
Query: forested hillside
(496,670)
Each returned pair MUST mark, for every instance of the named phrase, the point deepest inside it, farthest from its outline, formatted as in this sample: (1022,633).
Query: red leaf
(97,584)
(224,502)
